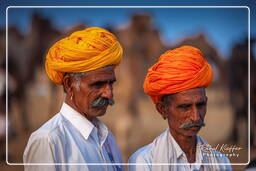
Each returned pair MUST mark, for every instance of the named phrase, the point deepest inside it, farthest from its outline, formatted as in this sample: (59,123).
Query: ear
(162,109)
(68,85)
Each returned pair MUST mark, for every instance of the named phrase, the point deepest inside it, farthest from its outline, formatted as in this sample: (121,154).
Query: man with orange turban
(84,64)
(176,84)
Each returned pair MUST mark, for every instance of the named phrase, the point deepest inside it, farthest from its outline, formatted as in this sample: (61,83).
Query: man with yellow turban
(84,64)
(176,84)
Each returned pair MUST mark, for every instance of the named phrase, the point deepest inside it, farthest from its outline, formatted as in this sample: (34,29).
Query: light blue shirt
(70,138)
(165,150)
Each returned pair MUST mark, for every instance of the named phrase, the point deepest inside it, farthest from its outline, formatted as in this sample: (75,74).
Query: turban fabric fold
(82,51)
(177,70)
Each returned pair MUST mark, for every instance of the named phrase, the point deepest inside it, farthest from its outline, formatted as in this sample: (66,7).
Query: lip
(100,107)
(194,128)
(103,107)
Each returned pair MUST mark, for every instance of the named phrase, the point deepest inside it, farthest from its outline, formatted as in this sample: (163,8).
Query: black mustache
(199,123)
(101,101)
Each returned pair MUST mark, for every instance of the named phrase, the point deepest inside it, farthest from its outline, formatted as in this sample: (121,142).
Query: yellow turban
(177,70)
(82,51)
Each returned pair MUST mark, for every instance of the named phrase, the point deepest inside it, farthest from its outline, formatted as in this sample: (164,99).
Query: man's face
(187,107)
(95,84)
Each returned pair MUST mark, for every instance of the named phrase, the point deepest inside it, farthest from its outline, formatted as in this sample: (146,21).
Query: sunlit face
(184,107)
(95,84)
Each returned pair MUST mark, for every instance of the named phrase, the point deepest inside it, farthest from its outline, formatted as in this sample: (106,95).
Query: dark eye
(201,104)
(112,82)
(98,84)
(184,106)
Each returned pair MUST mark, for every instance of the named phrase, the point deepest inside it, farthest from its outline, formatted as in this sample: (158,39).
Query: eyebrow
(102,82)
(184,105)
(203,102)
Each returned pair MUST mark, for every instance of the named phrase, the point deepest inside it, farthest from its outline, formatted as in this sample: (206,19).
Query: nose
(195,114)
(107,91)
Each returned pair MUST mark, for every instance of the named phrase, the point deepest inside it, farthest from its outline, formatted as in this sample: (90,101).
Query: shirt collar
(179,151)
(82,124)
(102,130)
(199,155)
(177,148)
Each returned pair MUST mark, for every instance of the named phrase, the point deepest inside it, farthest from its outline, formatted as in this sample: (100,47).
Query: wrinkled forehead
(102,74)
(103,69)
(109,68)
(190,95)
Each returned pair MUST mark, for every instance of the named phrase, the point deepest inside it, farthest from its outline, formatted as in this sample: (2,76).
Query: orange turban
(177,70)
(82,51)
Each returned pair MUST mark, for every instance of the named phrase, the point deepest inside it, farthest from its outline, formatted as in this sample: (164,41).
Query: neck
(72,104)
(187,144)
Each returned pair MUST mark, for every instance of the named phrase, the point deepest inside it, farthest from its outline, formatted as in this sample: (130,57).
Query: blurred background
(145,33)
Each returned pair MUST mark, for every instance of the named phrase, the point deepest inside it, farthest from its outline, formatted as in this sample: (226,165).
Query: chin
(191,131)
(101,111)
(101,114)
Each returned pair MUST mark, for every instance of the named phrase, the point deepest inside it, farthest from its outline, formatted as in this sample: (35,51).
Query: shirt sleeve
(39,150)
(228,166)
(139,162)
(117,156)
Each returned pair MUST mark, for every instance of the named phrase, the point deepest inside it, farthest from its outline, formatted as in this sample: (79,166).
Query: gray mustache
(101,101)
(199,123)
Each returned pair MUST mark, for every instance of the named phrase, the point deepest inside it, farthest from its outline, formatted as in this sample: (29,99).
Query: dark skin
(183,107)
(96,83)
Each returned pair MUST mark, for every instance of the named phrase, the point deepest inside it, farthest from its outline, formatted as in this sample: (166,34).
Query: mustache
(199,123)
(101,101)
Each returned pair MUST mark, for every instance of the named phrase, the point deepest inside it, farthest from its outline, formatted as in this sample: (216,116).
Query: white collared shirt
(182,158)
(164,150)
(70,138)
